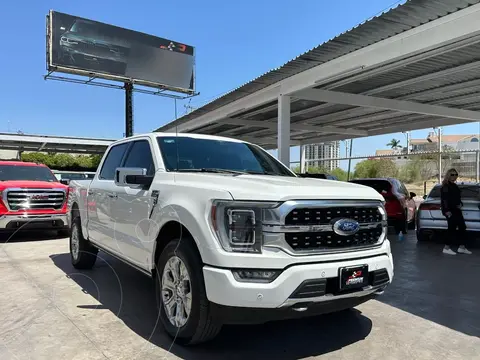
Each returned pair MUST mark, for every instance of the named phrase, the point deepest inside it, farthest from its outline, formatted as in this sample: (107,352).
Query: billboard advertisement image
(86,47)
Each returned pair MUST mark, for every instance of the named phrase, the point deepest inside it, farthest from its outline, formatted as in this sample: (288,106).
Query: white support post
(439,155)
(283,139)
(302,159)
(477,165)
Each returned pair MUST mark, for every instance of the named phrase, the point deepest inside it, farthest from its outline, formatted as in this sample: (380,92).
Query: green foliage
(375,168)
(411,172)
(64,161)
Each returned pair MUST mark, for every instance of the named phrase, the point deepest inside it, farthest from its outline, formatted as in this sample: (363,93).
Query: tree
(64,161)
(394,144)
(373,168)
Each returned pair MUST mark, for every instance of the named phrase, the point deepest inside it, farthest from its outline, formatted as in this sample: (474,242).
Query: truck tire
(198,325)
(82,253)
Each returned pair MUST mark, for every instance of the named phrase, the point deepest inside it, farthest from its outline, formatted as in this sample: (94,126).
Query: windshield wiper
(213,170)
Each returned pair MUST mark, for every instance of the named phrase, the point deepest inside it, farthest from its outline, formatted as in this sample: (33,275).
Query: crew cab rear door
(101,194)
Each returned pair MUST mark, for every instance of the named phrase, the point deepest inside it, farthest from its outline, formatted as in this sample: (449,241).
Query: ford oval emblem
(346,227)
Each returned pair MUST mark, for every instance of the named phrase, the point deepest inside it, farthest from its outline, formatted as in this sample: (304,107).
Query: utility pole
(128,109)
(350,160)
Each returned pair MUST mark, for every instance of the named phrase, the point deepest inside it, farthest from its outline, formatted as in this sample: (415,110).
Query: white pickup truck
(228,234)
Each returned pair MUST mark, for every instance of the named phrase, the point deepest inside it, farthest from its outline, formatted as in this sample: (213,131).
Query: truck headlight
(238,224)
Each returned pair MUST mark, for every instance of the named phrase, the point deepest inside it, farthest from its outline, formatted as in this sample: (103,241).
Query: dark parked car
(399,203)
(318,176)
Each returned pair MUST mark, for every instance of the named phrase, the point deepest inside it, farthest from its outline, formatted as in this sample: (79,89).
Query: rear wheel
(82,253)
(185,311)
(424,235)
(413,223)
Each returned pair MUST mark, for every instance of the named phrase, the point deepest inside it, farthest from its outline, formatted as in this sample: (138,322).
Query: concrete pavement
(49,310)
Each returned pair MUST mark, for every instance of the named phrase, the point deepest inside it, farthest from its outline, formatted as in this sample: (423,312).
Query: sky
(235,42)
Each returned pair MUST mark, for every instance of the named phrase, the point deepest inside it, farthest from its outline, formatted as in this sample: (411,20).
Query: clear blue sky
(235,42)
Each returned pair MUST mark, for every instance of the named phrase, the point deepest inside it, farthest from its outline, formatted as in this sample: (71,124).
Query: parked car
(31,197)
(73,175)
(228,233)
(431,221)
(399,202)
(317,176)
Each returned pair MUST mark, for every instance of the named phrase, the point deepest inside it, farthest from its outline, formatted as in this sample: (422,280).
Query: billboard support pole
(128,109)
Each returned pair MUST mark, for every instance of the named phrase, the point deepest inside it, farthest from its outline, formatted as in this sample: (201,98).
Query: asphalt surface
(48,310)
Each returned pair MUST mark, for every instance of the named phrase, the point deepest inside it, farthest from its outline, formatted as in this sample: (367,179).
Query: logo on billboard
(172,46)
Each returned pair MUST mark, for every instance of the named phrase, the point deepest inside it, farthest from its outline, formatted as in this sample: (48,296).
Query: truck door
(101,194)
(133,229)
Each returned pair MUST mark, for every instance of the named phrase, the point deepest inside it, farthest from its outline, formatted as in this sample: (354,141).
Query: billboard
(86,47)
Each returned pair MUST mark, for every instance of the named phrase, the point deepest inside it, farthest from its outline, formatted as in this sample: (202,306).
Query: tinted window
(112,161)
(140,156)
(22,172)
(185,153)
(381,186)
(471,192)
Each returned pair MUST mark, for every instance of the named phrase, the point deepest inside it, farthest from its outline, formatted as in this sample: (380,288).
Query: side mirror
(132,177)
(424,197)
(65,181)
(412,195)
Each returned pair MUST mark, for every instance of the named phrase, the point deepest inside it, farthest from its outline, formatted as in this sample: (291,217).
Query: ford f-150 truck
(228,233)
(31,197)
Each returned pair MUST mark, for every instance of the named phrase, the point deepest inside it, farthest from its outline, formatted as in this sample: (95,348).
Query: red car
(31,197)
(399,203)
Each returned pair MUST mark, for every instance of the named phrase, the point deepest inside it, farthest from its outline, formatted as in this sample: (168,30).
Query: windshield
(73,176)
(21,172)
(467,192)
(191,154)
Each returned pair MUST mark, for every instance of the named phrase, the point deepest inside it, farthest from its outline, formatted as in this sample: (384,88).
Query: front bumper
(32,222)
(223,289)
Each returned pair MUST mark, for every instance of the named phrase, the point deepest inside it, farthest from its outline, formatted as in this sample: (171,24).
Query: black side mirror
(65,181)
(144,180)
(412,195)
(424,197)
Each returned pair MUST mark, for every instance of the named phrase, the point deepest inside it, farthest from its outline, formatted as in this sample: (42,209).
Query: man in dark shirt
(452,209)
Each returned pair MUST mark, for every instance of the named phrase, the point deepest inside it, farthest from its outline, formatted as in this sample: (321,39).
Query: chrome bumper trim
(367,290)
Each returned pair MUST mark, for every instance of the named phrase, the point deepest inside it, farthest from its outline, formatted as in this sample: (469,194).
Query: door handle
(90,192)
(113,196)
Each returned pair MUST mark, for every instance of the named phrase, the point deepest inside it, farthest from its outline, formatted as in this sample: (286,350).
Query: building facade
(315,152)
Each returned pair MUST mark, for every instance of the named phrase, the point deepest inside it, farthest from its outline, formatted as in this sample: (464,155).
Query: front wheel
(185,311)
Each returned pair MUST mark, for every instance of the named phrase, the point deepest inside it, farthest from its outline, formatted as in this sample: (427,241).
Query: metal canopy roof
(21,142)
(413,67)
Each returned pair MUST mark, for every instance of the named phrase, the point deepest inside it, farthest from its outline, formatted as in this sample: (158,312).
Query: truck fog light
(252,275)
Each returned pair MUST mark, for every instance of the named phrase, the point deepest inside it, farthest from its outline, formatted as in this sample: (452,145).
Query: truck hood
(27,184)
(278,188)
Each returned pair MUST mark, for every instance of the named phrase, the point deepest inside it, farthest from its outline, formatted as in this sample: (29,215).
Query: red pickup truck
(31,197)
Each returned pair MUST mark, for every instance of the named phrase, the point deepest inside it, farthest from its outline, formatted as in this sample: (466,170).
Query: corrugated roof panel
(403,17)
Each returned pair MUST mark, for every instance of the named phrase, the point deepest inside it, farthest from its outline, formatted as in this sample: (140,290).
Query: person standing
(452,209)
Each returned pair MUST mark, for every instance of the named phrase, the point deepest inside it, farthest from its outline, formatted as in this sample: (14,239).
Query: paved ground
(48,310)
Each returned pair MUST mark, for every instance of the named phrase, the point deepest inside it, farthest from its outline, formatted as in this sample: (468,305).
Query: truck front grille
(323,216)
(330,240)
(34,199)
(310,226)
